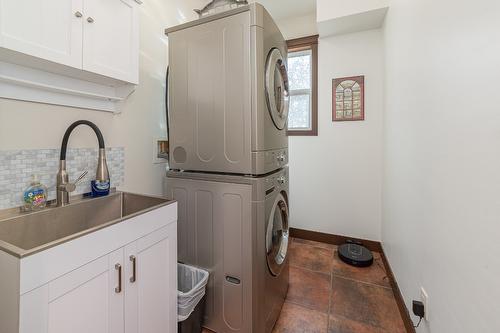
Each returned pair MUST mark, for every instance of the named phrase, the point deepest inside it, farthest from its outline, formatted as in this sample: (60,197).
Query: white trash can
(192,282)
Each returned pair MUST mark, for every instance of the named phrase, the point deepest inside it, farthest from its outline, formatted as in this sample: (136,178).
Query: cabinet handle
(118,289)
(90,19)
(78,14)
(133,278)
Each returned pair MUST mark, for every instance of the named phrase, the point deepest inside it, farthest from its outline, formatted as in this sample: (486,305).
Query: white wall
(338,17)
(330,9)
(335,178)
(299,26)
(32,125)
(441,202)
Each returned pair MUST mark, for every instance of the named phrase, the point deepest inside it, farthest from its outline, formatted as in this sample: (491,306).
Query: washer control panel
(281,180)
(277,181)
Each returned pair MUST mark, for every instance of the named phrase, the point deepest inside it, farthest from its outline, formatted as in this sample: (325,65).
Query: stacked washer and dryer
(228,108)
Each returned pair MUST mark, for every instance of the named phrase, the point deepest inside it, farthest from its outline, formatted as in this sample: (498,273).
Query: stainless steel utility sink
(22,234)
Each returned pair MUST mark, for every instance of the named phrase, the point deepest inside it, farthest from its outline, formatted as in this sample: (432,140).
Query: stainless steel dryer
(237,228)
(228,93)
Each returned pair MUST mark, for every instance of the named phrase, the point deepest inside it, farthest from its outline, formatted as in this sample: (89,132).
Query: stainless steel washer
(236,227)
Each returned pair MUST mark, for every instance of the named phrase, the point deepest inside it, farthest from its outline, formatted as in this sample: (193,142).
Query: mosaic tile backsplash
(18,166)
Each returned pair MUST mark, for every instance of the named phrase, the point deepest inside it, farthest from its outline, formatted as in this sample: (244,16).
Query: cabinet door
(82,301)
(47,29)
(151,293)
(111,39)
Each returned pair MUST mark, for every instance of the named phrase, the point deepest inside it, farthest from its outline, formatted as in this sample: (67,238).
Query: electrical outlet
(424,297)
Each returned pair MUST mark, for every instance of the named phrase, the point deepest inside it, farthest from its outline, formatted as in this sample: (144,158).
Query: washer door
(277,91)
(277,236)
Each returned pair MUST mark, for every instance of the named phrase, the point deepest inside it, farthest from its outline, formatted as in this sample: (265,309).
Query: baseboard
(333,239)
(372,246)
(405,314)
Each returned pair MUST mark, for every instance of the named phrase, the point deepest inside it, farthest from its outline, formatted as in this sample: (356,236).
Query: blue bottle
(100,188)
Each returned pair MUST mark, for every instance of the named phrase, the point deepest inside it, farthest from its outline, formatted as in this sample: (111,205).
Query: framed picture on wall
(348,98)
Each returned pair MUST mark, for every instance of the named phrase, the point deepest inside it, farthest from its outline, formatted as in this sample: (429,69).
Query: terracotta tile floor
(328,296)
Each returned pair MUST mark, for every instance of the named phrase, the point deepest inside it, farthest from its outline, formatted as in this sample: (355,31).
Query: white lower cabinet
(84,300)
(149,291)
(129,290)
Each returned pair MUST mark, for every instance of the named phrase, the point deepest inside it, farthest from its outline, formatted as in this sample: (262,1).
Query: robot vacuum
(355,255)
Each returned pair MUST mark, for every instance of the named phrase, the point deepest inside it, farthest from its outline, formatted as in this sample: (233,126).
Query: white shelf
(30,84)
(48,87)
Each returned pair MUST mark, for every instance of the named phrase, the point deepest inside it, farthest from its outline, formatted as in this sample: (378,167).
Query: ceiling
(281,9)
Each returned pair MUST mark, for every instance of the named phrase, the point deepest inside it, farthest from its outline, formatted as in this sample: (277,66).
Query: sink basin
(23,234)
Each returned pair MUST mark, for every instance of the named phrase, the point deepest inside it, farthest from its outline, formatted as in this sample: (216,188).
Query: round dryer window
(277,91)
(277,236)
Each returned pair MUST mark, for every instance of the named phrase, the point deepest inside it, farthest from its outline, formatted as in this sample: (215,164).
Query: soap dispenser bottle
(35,195)
(101,185)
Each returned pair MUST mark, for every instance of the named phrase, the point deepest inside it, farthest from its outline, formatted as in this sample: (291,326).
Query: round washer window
(277,236)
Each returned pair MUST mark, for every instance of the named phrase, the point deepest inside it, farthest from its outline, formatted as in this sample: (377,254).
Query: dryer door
(277,236)
(277,91)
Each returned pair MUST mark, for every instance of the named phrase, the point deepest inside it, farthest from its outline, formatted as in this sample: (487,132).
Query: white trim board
(34,85)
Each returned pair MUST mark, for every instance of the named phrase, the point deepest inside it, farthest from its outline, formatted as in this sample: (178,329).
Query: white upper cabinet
(111,38)
(98,36)
(79,53)
(47,29)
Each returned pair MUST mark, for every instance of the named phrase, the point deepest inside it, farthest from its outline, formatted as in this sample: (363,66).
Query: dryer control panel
(275,159)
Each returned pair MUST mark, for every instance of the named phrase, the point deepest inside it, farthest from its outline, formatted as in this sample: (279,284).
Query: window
(303,84)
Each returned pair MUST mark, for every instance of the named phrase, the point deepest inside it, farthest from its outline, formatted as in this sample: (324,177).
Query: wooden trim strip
(302,42)
(403,310)
(372,246)
(333,239)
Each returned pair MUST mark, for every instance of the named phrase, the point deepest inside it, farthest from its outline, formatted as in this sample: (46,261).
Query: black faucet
(64,187)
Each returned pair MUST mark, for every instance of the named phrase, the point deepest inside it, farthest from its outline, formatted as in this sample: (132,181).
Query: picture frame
(348,98)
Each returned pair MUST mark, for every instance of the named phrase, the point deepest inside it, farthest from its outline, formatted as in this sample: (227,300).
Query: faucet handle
(70,187)
(82,177)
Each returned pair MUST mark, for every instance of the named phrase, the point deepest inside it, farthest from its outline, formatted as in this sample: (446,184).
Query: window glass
(300,112)
(299,76)
(299,70)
